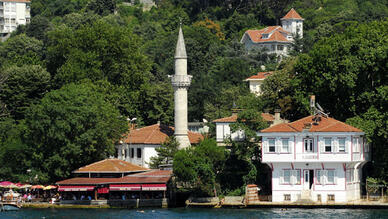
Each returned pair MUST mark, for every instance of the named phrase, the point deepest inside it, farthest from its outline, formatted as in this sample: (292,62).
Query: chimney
(312,104)
(262,67)
(277,120)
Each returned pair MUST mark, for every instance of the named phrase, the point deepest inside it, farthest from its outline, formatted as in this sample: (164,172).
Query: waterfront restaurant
(112,181)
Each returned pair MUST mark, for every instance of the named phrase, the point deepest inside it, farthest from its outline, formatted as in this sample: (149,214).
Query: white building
(223,131)
(138,146)
(12,14)
(315,158)
(256,81)
(276,39)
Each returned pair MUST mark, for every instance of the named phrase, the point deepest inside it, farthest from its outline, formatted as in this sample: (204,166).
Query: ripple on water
(195,213)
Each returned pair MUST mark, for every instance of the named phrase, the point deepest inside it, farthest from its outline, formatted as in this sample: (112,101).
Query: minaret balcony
(180,80)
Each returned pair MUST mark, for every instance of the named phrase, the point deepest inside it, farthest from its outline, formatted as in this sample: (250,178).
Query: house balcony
(274,157)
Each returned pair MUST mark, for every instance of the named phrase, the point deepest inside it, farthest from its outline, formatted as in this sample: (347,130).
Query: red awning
(103,190)
(125,187)
(153,187)
(75,188)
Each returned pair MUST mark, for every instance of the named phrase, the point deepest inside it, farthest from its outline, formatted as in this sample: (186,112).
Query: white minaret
(181,82)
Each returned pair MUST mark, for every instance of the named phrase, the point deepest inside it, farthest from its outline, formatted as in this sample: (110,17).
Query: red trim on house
(271,166)
(351,148)
(292,166)
(323,166)
(294,148)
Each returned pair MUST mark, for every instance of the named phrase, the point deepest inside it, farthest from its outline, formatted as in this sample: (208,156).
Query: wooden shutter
(290,146)
(321,145)
(336,145)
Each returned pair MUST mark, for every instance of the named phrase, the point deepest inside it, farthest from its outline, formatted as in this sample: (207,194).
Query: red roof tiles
(292,14)
(276,33)
(153,176)
(325,125)
(156,134)
(260,76)
(266,116)
(110,166)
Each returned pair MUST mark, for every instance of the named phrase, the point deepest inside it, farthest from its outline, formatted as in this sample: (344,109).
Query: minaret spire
(181,82)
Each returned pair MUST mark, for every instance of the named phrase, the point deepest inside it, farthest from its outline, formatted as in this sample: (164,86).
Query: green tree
(198,167)
(72,127)
(102,7)
(23,87)
(165,153)
(21,50)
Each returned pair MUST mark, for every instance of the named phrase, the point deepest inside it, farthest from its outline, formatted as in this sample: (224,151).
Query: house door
(308,179)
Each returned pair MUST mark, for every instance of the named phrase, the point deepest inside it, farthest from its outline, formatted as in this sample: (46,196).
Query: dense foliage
(86,65)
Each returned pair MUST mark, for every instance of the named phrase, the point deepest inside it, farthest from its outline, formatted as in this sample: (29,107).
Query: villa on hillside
(315,158)
(276,39)
(138,146)
(12,14)
(255,82)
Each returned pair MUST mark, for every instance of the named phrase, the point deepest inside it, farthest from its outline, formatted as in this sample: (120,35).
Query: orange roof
(111,166)
(325,125)
(275,34)
(260,76)
(292,14)
(266,116)
(151,176)
(156,134)
(22,1)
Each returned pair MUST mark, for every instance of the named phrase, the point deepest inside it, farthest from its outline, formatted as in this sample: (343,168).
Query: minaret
(181,82)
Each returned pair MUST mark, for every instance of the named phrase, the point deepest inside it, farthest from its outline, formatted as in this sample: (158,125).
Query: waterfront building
(255,82)
(139,145)
(12,14)
(223,131)
(316,158)
(276,39)
(114,181)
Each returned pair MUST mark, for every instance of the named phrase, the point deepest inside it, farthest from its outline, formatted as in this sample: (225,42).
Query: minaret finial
(180,51)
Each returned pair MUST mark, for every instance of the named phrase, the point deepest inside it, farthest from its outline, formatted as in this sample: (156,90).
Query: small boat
(9,207)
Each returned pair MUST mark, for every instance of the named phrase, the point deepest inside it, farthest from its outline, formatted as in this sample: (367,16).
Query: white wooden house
(315,158)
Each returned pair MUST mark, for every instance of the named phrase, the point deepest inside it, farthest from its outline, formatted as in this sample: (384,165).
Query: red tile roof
(110,166)
(292,14)
(275,32)
(325,125)
(260,76)
(153,176)
(156,134)
(266,116)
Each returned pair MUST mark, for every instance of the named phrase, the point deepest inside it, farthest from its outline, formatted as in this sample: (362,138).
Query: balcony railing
(180,80)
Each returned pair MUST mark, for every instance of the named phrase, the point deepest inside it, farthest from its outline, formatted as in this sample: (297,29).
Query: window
(132,152)
(287,197)
(138,153)
(326,177)
(13,21)
(319,198)
(291,177)
(308,145)
(6,20)
(280,47)
(271,144)
(330,176)
(341,144)
(356,145)
(125,154)
(27,20)
(285,147)
(287,176)
(331,197)
(265,36)
(327,144)
(273,47)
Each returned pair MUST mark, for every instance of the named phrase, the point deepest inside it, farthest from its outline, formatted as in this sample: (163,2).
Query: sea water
(196,213)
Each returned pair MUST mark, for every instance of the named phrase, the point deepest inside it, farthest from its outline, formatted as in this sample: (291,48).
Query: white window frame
(285,147)
(342,147)
(325,141)
(271,145)
(310,145)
